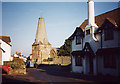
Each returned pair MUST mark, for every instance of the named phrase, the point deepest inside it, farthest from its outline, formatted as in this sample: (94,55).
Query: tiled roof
(5,38)
(77,29)
(113,16)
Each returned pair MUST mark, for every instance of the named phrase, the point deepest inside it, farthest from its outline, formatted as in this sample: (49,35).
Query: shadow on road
(65,71)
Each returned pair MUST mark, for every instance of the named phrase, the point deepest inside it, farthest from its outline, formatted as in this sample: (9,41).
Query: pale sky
(20,19)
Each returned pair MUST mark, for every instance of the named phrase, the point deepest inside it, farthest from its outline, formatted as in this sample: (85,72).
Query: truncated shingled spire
(41,35)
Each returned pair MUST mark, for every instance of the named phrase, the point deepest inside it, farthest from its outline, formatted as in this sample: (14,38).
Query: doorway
(90,64)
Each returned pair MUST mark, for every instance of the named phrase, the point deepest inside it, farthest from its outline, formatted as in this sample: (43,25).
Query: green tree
(65,49)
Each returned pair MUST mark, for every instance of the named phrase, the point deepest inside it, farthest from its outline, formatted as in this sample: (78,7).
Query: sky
(20,20)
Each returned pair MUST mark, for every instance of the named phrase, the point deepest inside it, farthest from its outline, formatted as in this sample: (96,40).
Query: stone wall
(62,60)
(65,60)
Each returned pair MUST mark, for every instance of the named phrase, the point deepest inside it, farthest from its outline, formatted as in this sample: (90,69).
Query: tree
(65,49)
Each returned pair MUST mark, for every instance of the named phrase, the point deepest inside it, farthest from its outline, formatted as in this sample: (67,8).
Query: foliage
(17,63)
(50,59)
(65,49)
(45,60)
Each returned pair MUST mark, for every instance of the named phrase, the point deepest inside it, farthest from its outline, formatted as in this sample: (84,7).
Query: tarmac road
(51,74)
(45,76)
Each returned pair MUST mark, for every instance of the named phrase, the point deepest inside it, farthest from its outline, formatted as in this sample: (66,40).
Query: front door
(90,64)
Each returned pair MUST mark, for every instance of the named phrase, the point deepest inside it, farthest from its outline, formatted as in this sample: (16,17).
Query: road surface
(54,74)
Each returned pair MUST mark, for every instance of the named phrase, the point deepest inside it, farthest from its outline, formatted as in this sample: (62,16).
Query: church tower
(41,48)
(41,35)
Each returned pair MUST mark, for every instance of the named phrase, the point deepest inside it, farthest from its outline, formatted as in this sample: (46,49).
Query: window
(78,39)
(78,61)
(88,32)
(108,33)
(109,61)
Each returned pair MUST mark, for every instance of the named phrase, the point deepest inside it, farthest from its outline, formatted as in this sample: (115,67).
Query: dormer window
(108,33)
(88,32)
(79,35)
(78,39)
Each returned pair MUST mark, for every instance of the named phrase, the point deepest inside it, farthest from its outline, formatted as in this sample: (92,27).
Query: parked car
(31,64)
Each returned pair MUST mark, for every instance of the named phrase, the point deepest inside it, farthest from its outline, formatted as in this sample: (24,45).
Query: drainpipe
(93,31)
(91,19)
(101,38)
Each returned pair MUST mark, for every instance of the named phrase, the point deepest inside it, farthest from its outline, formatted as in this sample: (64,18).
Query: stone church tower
(41,48)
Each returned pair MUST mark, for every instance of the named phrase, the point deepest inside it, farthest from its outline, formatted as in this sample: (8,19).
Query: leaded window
(78,61)
(78,39)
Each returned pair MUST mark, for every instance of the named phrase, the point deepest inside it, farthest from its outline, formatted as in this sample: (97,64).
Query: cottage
(5,49)
(96,45)
(19,55)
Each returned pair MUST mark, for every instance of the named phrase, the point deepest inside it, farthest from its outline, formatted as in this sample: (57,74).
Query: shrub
(17,63)
(45,60)
(50,59)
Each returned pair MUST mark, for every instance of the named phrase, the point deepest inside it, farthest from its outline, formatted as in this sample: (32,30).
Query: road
(41,75)
(53,74)
(47,73)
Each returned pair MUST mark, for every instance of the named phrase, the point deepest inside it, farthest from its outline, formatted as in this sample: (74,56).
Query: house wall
(118,65)
(119,38)
(105,71)
(7,48)
(0,57)
(109,44)
(95,66)
(85,65)
(94,44)
(75,68)
(112,43)
(74,46)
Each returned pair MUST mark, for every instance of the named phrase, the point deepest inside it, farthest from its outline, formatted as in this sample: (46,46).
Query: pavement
(50,74)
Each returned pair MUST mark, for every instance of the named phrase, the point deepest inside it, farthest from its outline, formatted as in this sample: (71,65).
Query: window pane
(78,61)
(78,40)
(108,34)
(87,31)
(109,61)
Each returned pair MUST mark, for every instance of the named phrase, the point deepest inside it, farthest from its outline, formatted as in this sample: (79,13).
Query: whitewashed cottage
(5,49)
(96,44)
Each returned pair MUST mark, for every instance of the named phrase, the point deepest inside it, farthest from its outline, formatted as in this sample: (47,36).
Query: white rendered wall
(6,56)
(94,66)
(75,68)
(112,43)
(74,46)
(86,65)
(94,44)
(105,71)
(119,38)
